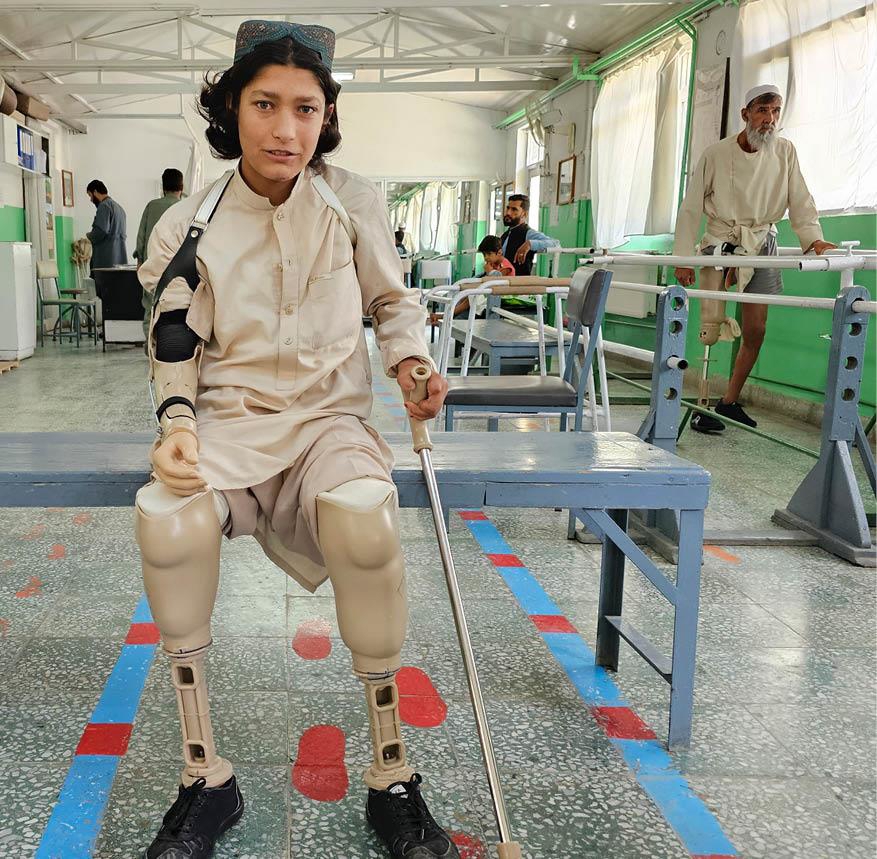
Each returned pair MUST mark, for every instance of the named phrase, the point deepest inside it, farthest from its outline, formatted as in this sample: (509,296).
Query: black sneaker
(400,817)
(194,822)
(706,423)
(734,411)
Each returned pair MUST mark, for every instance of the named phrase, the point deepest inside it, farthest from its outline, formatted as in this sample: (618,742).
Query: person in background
(400,243)
(494,262)
(744,184)
(108,230)
(520,242)
(172,191)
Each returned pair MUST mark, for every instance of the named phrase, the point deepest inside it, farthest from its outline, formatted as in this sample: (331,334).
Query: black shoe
(734,411)
(194,822)
(400,817)
(706,423)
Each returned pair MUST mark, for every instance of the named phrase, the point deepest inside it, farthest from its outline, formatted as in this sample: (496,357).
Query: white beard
(760,140)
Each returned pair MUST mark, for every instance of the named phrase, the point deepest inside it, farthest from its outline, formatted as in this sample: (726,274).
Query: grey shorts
(765,281)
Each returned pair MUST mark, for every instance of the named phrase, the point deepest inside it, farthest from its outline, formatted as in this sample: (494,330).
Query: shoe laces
(410,809)
(178,814)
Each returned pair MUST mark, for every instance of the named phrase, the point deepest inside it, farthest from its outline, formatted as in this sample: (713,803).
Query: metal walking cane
(507,849)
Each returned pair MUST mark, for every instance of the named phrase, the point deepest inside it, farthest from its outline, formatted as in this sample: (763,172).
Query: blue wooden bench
(600,476)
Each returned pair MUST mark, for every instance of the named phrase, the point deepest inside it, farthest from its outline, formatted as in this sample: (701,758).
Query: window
(821,55)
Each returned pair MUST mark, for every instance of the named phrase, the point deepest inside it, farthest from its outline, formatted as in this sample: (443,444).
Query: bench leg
(611,592)
(449,419)
(685,626)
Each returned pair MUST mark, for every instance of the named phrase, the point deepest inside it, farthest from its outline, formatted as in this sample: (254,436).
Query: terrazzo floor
(783,752)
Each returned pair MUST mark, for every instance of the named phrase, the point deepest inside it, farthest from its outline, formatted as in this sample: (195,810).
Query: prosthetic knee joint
(359,537)
(179,540)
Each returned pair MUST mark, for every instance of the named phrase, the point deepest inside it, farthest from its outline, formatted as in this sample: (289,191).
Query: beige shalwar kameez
(284,387)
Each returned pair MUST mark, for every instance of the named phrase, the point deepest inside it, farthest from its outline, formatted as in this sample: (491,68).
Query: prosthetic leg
(715,325)
(179,541)
(359,536)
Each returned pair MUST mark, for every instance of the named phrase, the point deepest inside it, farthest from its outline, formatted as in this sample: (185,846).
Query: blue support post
(828,503)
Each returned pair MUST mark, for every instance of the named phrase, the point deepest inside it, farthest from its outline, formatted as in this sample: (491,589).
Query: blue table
(600,476)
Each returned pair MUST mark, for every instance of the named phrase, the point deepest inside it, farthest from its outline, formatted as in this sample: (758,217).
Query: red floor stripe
(721,554)
(143,633)
(552,623)
(469,847)
(621,723)
(104,739)
(420,704)
(312,639)
(505,560)
(319,771)
(472,515)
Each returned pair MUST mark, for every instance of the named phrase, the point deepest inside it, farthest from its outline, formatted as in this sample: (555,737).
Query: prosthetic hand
(715,325)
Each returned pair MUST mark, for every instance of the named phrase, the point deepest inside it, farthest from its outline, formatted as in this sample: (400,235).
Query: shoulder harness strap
(182,263)
(330,198)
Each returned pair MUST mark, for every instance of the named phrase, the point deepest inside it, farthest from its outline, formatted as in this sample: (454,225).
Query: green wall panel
(12,224)
(63,251)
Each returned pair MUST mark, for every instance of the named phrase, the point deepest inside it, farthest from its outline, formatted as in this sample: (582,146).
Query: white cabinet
(18,307)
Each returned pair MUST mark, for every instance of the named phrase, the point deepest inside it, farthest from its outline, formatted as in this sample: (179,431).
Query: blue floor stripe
(77,817)
(142,614)
(684,811)
(530,595)
(121,696)
(653,768)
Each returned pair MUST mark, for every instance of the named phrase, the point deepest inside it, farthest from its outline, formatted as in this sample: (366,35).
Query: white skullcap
(762,89)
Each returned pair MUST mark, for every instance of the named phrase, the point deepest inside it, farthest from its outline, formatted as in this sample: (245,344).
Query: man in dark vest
(520,242)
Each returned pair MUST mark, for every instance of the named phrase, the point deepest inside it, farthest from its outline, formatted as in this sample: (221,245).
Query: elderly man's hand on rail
(819,247)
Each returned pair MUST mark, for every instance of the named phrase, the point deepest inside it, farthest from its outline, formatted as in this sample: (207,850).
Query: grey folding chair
(528,395)
(67,301)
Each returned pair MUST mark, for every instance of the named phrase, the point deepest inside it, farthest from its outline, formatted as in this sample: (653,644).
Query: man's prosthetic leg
(359,536)
(179,540)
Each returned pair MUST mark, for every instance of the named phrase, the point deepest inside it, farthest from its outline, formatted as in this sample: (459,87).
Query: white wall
(392,136)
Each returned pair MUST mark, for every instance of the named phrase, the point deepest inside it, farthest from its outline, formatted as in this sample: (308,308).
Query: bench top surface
(461,457)
(497,333)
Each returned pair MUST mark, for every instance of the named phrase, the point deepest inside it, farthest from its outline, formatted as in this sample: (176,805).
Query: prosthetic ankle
(359,536)
(715,325)
(179,542)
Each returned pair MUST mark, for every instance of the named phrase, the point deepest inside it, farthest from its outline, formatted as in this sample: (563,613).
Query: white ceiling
(126,57)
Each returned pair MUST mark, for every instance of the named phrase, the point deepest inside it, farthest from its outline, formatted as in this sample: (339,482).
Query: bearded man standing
(744,184)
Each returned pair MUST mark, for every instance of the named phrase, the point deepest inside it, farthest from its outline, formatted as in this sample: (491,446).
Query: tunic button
(288,341)
(280,216)
(288,309)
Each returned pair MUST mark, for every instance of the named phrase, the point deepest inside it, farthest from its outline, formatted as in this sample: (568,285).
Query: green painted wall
(63,251)
(469,235)
(12,224)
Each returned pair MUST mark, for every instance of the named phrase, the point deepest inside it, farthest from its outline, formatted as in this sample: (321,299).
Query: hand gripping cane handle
(419,429)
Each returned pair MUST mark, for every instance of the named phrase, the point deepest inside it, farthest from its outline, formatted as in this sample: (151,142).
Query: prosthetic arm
(359,537)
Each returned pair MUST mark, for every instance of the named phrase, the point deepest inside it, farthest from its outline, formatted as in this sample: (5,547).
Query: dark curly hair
(220,97)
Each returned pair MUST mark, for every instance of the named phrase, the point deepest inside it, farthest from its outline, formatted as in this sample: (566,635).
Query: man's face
(92,197)
(514,214)
(762,121)
(280,116)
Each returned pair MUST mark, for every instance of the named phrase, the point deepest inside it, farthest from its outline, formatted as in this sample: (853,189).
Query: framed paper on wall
(566,180)
(67,188)
(507,191)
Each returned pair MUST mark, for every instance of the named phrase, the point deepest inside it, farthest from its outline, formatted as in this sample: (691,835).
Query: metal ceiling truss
(451,47)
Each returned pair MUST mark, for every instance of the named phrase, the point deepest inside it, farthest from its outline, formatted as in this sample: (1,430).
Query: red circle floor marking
(319,771)
(420,704)
(312,639)
(57,552)
(35,533)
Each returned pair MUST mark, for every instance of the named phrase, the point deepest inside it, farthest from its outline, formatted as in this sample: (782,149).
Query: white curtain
(636,147)
(822,54)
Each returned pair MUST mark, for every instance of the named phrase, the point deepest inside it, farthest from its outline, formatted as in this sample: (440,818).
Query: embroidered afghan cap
(251,34)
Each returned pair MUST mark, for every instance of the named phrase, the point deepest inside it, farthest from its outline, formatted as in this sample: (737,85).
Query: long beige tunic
(743,194)
(279,306)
